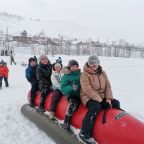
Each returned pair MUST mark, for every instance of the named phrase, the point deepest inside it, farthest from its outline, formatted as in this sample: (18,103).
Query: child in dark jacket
(43,73)
(70,87)
(30,74)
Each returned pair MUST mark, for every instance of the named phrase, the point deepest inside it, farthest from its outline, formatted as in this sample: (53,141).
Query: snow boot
(7,85)
(86,138)
(41,107)
(32,102)
(51,115)
(32,105)
(66,124)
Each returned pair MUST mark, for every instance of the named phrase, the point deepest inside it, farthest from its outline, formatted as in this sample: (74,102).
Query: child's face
(32,63)
(74,68)
(57,68)
(44,61)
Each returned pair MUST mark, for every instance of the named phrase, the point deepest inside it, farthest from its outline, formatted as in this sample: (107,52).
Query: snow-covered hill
(55,28)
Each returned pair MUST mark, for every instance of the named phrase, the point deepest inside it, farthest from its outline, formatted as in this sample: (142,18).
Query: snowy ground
(125,75)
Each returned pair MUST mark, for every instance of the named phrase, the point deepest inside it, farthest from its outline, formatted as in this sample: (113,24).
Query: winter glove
(74,103)
(105,105)
(75,87)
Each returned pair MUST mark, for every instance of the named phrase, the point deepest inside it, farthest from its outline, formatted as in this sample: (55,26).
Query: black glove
(105,105)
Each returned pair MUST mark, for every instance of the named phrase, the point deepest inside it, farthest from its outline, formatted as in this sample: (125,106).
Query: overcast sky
(107,19)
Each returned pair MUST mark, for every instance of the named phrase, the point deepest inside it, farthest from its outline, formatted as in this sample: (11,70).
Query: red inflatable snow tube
(120,127)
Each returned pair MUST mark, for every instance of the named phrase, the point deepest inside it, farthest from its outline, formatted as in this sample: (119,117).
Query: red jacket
(6,71)
(1,71)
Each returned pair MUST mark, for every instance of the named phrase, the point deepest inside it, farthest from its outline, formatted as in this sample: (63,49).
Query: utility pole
(61,44)
(7,39)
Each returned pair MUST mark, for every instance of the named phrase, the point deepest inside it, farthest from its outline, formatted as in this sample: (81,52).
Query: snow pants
(94,108)
(72,107)
(57,94)
(6,81)
(34,89)
(44,92)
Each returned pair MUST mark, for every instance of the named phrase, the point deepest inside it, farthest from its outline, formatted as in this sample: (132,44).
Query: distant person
(30,74)
(44,72)
(10,51)
(4,73)
(2,52)
(57,94)
(12,59)
(96,94)
(70,87)
(6,52)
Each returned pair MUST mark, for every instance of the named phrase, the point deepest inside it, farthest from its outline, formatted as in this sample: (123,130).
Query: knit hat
(31,59)
(72,63)
(59,60)
(42,57)
(93,59)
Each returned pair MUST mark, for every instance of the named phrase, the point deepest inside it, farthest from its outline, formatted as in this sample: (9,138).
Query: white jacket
(56,79)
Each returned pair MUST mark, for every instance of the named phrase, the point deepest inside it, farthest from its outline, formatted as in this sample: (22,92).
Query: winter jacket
(56,79)
(6,71)
(30,73)
(68,80)
(1,71)
(94,85)
(43,74)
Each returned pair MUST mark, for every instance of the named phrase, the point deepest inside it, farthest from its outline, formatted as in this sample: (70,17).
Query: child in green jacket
(70,87)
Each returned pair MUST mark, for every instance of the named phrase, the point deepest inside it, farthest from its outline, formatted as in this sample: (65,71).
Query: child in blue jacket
(30,74)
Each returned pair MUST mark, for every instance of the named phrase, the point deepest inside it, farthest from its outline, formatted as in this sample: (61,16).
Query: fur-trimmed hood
(66,70)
